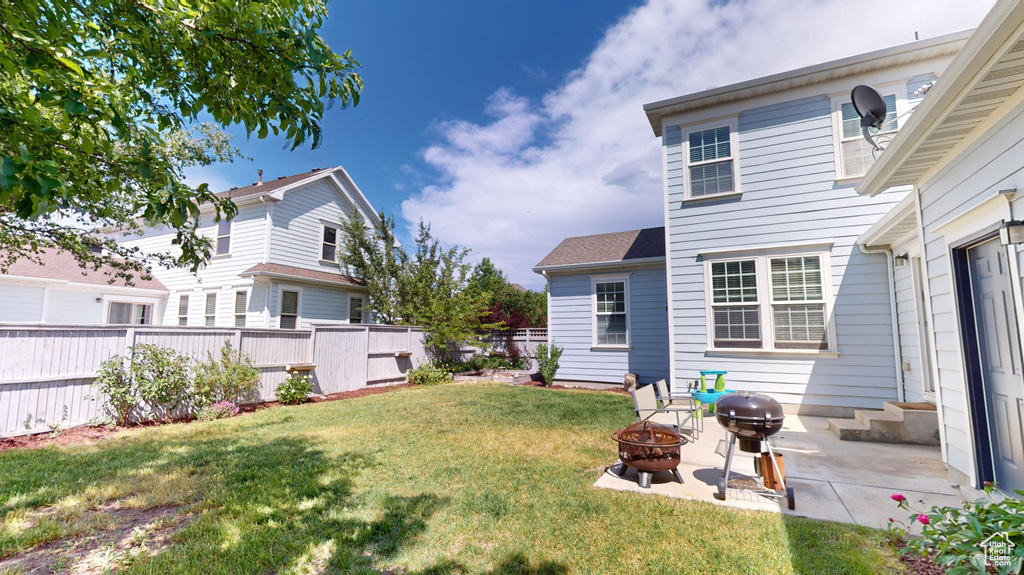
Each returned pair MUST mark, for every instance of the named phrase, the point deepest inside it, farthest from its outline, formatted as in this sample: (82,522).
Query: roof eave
(817,73)
(297,278)
(987,42)
(616,264)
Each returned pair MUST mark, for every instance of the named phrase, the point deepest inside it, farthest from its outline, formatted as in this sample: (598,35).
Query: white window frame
(337,236)
(608,278)
(107,300)
(898,89)
(298,305)
(762,268)
(732,123)
(362,310)
(177,311)
(220,236)
(208,319)
(234,308)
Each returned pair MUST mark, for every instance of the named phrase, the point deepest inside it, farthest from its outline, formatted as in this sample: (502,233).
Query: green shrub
(228,379)
(153,381)
(428,374)
(955,535)
(294,389)
(547,359)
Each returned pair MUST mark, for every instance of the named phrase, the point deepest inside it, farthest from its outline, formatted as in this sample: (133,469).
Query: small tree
(547,359)
(376,257)
(153,378)
(226,379)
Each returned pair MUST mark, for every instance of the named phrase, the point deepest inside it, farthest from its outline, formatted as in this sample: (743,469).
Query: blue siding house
(607,306)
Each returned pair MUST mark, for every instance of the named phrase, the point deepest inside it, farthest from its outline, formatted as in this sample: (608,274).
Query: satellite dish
(872,111)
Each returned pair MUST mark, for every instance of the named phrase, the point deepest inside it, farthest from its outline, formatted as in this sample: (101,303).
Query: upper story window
(854,155)
(711,160)
(223,237)
(611,311)
(130,313)
(769,303)
(329,244)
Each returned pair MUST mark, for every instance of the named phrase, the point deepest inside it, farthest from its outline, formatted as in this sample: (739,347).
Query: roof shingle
(58,265)
(614,247)
(301,273)
(271,185)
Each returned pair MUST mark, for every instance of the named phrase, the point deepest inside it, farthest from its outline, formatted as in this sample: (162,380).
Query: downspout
(897,349)
(547,284)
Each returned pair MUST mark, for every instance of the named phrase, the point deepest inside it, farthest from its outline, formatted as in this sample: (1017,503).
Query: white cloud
(583,160)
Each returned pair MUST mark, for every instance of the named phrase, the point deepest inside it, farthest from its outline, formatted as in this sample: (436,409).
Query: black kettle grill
(751,418)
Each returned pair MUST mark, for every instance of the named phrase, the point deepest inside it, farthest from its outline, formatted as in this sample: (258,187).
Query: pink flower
(923,519)
(891,520)
(897,497)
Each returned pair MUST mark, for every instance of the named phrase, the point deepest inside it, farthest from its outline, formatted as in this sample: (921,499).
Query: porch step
(908,423)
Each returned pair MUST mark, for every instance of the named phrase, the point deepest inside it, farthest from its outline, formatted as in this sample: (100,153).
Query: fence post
(366,366)
(238,340)
(312,343)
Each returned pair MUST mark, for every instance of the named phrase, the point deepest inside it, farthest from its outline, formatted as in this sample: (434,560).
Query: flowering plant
(218,410)
(957,537)
(295,389)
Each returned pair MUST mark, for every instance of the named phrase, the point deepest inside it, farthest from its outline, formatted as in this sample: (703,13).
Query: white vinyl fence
(47,372)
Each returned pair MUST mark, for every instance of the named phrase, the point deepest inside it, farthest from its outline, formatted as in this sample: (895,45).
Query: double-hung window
(329,244)
(710,161)
(241,298)
(223,237)
(289,309)
(611,311)
(854,155)
(734,304)
(769,303)
(182,310)
(210,312)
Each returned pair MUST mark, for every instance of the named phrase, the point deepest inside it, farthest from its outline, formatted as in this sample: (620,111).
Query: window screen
(611,313)
(355,310)
(734,308)
(289,309)
(798,303)
(210,313)
(183,310)
(240,307)
(223,237)
(329,246)
(710,162)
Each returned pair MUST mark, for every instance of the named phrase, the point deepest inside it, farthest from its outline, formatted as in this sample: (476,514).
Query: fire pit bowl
(649,448)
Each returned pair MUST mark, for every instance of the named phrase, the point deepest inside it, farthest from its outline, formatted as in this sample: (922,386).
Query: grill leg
(723,483)
(645,480)
(679,476)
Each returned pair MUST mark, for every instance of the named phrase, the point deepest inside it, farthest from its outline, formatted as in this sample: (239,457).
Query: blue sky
(510,126)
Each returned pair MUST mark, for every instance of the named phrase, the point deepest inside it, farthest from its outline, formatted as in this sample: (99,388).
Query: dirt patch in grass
(126,534)
(618,389)
(93,434)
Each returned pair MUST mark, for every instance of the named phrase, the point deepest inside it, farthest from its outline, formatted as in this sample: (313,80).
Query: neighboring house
(963,154)
(275,263)
(57,290)
(606,306)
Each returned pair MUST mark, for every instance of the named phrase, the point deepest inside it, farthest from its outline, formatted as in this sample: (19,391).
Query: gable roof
(63,267)
(271,185)
(618,247)
(980,86)
(945,45)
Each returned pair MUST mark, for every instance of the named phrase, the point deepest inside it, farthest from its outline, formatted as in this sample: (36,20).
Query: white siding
(298,221)
(20,303)
(991,165)
(910,342)
(74,307)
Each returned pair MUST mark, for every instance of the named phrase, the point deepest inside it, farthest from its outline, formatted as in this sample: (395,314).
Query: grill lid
(646,433)
(749,408)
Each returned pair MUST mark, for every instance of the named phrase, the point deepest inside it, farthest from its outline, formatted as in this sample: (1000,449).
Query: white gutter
(897,348)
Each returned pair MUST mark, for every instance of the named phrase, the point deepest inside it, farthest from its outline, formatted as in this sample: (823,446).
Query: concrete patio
(846,481)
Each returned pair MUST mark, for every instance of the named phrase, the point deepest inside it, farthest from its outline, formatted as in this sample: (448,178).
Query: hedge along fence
(47,372)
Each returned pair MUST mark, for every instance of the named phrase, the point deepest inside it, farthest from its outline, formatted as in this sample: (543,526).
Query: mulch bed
(918,565)
(541,384)
(86,434)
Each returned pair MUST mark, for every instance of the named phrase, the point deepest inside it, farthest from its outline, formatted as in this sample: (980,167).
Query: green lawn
(451,479)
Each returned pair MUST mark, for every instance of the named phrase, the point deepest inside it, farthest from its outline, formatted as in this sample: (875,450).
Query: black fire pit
(649,448)
(751,418)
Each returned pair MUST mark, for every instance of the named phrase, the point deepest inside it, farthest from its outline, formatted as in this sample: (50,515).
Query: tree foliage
(430,288)
(507,304)
(94,94)
(375,256)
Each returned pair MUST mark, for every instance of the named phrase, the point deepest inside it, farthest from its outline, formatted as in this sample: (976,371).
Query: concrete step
(915,424)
